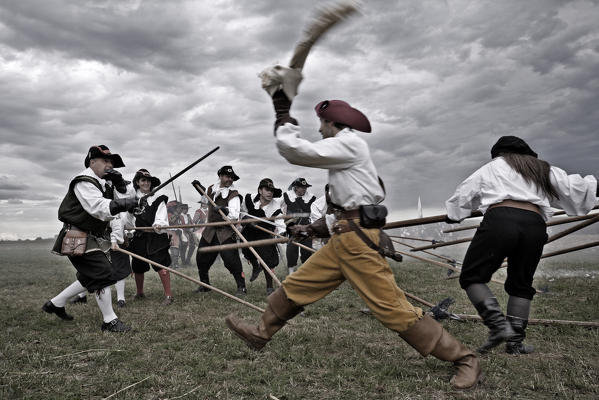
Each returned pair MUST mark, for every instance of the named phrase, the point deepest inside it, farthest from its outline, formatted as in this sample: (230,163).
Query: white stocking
(104,300)
(73,289)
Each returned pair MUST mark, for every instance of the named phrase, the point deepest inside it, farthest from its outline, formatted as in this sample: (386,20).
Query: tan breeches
(346,257)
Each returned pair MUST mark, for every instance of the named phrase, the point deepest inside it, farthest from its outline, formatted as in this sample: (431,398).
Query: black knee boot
(514,344)
(518,309)
(499,328)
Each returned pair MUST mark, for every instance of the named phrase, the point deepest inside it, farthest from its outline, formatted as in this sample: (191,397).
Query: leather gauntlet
(319,228)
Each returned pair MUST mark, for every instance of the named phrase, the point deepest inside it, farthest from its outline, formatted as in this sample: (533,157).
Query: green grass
(332,352)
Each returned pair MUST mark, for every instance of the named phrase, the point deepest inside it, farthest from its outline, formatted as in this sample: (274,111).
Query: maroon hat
(102,151)
(341,112)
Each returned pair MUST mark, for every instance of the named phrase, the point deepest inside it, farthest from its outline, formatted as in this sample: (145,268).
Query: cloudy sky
(162,83)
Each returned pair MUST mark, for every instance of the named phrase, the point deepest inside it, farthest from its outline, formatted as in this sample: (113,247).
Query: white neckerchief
(292,196)
(222,191)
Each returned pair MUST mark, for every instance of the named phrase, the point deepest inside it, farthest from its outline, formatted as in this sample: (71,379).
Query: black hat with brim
(143,173)
(267,183)
(511,144)
(228,170)
(102,151)
(302,182)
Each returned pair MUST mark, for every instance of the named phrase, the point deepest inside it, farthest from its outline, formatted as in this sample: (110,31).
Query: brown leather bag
(74,243)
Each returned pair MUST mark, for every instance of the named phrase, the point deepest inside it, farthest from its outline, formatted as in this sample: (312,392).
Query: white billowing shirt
(269,210)
(353,180)
(318,209)
(496,181)
(161,217)
(91,199)
(125,220)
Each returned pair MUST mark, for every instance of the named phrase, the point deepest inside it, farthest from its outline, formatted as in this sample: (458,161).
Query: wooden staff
(536,321)
(303,246)
(557,221)
(413,238)
(217,223)
(424,221)
(427,252)
(434,246)
(233,246)
(574,228)
(440,264)
(189,278)
(198,187)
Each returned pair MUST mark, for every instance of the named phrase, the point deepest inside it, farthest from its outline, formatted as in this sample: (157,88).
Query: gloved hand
(197,183)
(294,229)
(224,209)
(117,180)
(120,205)
(450,221)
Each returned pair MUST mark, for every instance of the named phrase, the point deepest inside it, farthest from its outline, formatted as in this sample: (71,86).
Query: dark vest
(71,211)
(250,231)
(222,232)
(299,206)
(149,242)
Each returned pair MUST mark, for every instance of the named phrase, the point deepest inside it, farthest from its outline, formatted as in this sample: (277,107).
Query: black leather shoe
(116,325)
(121,303)
(202,289)
(78,300)
(241,291)
(59,311)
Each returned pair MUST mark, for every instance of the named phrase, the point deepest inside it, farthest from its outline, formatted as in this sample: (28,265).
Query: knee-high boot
(427,336)
(518,309)
(278,311)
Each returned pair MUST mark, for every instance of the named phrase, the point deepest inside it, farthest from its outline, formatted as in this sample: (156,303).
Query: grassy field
(333,351)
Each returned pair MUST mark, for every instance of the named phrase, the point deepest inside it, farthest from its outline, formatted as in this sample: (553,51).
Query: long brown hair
(533,171)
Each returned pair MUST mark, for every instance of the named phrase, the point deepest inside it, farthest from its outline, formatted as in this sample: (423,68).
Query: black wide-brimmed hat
(228,170)
(302,182)
(511,144)
(102,151)
(341,112)
(143,173)
(267,183)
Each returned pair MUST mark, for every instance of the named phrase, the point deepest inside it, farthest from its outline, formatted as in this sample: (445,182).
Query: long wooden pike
(437,263)
(424,251)
(564,251)
(574,228)
(199,188)
(537,321)
(234,246)
(303,246)
(221,223)
(413,238)
(557,222)
(424,221)
(552,222)
(189,278)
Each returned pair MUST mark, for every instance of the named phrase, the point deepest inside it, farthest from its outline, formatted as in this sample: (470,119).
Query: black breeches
(230,259)
(293,251)
(504,232)
(94,270)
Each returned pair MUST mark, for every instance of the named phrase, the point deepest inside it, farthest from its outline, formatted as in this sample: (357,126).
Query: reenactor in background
(174,218)
(263,205)
(188,242)
(298,200)
(228,200)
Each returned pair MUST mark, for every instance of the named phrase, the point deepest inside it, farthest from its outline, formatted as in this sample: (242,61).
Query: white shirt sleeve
(281,227)
(92,201)
(234,207)
(330,153)
(576,194)
(466,197)
(161,217)
(116,226)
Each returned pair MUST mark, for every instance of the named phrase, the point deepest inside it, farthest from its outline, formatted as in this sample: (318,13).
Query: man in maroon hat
(353,184)
(298,200)
(224,194)
(86,211)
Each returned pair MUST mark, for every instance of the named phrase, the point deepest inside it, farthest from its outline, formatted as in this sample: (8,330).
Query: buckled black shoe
(78,300)
(59,311)
(121,303)
(116,325)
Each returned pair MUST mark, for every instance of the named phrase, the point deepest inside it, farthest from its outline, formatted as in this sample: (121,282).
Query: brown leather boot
(278,311)
(427,336)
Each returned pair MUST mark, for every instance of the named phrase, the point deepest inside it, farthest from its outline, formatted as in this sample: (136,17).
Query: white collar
(90,172)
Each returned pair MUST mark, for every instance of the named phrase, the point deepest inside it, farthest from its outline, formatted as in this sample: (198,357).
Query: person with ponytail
(516,192)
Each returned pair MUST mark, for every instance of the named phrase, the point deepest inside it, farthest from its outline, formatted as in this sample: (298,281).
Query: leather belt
(523,205)
(348,214)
